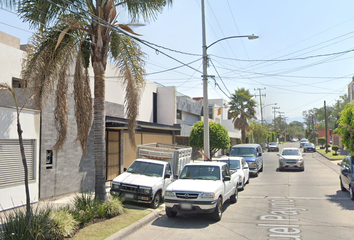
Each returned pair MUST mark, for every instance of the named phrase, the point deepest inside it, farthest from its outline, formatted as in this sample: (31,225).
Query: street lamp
(264,107)
(205,80)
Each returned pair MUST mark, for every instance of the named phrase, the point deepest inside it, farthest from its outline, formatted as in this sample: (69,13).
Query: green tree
(242,109)
(219,137)
(74,33)
(346,127)
(260,133)
(296,129)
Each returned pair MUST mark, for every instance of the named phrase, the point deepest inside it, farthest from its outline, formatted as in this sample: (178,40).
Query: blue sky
(303,56)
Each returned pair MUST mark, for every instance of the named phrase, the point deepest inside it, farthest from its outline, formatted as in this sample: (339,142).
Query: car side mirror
(259,154)
(339,164)
(245,167)
(167,175)
(279,154)
(124,169)
(227,178)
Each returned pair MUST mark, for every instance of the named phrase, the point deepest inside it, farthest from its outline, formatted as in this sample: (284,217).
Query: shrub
(321,141)
(113,208)
(60,224)
(15,225)
(335,149)
(84,208)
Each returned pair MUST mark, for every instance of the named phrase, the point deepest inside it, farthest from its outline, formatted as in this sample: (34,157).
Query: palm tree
(71,33)
(242,109)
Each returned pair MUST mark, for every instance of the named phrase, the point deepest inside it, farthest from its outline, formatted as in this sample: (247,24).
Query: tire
(280,169)
(243,185)
(234,197)
(156,201)
(248,179)
(302,169)
(217,214)
(261,170)
(351,193)
(255,174)
(170,214)
(341,185)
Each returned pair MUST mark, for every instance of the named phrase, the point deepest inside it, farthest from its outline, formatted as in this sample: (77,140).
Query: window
(18,83)
(179,114)
(11,168)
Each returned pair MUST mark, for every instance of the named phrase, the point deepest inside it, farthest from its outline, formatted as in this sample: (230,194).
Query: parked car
(202,187)
(309,147)
(291,158)
(303,141)
(273,147)
(240,166)
(253,155)
(346,175)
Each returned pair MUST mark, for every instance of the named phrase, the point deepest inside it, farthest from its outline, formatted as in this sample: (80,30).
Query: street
(274,205)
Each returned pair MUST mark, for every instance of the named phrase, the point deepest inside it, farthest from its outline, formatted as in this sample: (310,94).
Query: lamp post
(264,107)
(205,80)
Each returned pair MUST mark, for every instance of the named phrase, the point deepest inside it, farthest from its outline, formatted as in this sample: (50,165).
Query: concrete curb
(135,226)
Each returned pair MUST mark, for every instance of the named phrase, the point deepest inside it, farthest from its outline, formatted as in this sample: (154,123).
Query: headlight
(115,185)
(208,195)
(145,190)
(300,159)
(169,194)
(281,159)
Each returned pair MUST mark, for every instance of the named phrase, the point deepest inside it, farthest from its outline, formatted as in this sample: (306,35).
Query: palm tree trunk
(243,136)
(99,132)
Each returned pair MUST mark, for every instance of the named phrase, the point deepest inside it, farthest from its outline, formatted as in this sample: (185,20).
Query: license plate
(129,196)
(186,206)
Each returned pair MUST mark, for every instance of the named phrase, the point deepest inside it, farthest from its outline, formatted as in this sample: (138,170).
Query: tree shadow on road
(342,199)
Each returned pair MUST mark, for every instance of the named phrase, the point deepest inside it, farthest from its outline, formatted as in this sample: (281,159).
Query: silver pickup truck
(202,187)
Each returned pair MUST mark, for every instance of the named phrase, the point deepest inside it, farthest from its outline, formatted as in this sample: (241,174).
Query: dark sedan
(309,147)
(346,175)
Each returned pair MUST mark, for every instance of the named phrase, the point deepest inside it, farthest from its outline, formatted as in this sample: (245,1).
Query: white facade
(10,66)
(166,105)
(14,194)
(227,123)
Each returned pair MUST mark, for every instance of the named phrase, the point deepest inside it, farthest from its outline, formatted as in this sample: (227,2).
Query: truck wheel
(217,214)
(261,170)
(233,198)
(351,192)
(156,201)
(341,186)
(242,185)
(170,214)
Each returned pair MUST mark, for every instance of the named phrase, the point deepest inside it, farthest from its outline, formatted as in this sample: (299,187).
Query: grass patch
(330,154)
(104,229)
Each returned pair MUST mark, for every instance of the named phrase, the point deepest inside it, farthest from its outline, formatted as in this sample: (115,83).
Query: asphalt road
(274,205)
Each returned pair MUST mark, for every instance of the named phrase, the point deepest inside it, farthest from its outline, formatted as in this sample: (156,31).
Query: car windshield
(243,152)
(272,143)
(201,172)
(146,168)
(287,152)
(308,144)
(304,140)
(233,164)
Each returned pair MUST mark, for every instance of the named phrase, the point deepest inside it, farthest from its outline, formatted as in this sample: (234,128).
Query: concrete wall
(14,194)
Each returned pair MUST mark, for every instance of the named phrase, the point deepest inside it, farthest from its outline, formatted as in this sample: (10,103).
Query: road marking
(280,212)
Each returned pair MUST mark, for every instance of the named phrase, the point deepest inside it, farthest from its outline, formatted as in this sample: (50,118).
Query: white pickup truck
(202,187)
(147,178)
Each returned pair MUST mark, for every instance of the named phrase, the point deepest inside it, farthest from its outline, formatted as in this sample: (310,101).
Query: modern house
(165,116)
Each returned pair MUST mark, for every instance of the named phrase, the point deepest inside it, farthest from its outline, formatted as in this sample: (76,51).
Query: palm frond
(127,56)
(147,9)
(83,101)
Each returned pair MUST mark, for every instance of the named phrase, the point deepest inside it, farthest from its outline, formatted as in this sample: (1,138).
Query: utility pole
(205,88)
(280,116)
(325,111)
(275,110)
(260,100)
